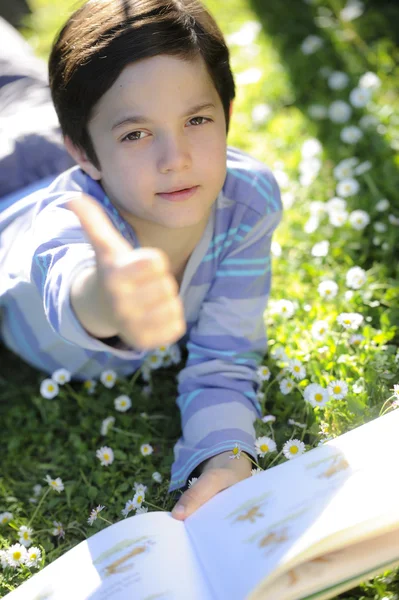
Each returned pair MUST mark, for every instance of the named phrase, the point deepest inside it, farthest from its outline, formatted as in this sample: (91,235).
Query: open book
(309,528)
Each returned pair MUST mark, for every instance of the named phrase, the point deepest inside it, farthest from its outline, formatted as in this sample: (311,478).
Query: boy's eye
(133,136)
(195,118)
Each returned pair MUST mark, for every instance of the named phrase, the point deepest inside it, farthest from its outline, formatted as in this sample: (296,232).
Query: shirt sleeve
(59,251)
(219,384)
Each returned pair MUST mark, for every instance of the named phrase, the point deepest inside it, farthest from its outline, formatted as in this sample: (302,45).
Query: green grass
(60,436)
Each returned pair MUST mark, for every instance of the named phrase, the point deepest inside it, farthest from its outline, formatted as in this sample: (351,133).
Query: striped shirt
(224,290)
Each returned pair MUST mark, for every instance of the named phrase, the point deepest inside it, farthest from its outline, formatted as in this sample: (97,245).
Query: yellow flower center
(51,388)
(54,483)
(235,450)
(318,397)
(328,291)
(264,448)
(106,456)
(337,389)
(294,449)
(123,403)
(109,378)
(347,321)
(140,499)
(16,555)
(33,556)
(25,535)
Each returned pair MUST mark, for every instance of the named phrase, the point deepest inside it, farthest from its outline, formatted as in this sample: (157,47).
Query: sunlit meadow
(317,101)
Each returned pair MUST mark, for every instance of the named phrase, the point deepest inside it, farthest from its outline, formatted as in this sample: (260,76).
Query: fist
(137,286)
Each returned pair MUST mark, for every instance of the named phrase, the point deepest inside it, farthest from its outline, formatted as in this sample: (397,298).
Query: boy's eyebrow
(143,119)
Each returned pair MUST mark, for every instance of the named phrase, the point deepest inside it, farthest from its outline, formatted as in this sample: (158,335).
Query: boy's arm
(217,388)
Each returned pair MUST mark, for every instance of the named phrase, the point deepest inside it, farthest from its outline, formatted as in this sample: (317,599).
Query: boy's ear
(80,157)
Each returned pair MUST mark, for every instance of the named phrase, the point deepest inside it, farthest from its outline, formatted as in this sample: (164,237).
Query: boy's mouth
(182,194)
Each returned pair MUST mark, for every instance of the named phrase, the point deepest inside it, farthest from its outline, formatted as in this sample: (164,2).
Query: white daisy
(347,187)
(312,224)
(278,353)
(311,147)
(25,535)
(139,487)
(256,470)
(146,449)
(90,386)
(339,111)
(369,80)
(356,339)
(5,518)
(350,320)
(56,484)
(296,368)
(58,529)
(129,506)
(154,360)
(283,308)
(316,395)
(286,386)
(351,134)
(16,555)
(175,354)
(368,122)
(37,489)
(264,445)
(156,476)
(337,389)
(317,111)
(61,376)
(293,448)
(264,373)
(352,10)
(359,97)
(338,80)
(33,557)
(141,510)
(105,456)
(311,44)
(336,204)
(320,249)
(380,227)
(236,452)
(192,481)
(107,424)
(108,378)
(328,289)
(345,168)
(94,514)
(319,329)
(338,218)
(49,389)
(355,278)
(268,419)
(122,403)
(138,499)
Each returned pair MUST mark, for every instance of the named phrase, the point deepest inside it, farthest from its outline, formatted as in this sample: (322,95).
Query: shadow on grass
(369,43)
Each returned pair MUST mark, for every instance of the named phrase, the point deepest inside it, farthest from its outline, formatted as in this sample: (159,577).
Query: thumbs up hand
(133,290)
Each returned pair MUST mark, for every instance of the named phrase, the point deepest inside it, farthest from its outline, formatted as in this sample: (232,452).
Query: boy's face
(172,145)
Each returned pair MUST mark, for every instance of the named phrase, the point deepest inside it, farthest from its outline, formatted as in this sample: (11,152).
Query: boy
(117,260)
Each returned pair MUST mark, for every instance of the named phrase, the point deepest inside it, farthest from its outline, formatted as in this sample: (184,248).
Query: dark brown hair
(103,36)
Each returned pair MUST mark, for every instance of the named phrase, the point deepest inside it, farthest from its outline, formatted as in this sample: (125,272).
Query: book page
(145,557)
(335,494)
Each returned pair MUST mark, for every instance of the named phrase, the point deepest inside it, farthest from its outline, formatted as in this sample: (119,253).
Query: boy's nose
(174,155)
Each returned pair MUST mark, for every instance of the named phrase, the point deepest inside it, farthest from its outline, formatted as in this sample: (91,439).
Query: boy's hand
(136,286)
(218,473)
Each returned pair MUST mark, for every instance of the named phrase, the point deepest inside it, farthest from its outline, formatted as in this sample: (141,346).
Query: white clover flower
(317,111)
(339,111)
(141,510)
(25,535)
(293,448)
(337,389)
(33,557)
(350,320)
(105,455)
(90,386)
(352,10)
(345,168)
(49,389)
(338,218)
(296,424)
(315,394)
(58,529)
(380,227)
(296,368)
(283,308)
(261,114)
(107,424)
(359,219)
(94,514)
(338,80)
(236,452)
(356,339)
(263,373)
(311,147)
(129,506)
(347,187)
(16,555)
(311,44)
(108,378)
(61,376)
(319,329)
(276,249)
(256,471)
(328,289)
(356,277)
(264,445)
(56,484)
(138,499)
(320,249)
(122,403)
(368,121)
(351,134)
(146,449)
(156,476)
(363,167)
(268,419)
(369,80)
(192,481)
(286,385)
(5,518)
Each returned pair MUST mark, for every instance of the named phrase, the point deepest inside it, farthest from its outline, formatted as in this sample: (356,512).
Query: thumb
(208,485)
(104,237)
